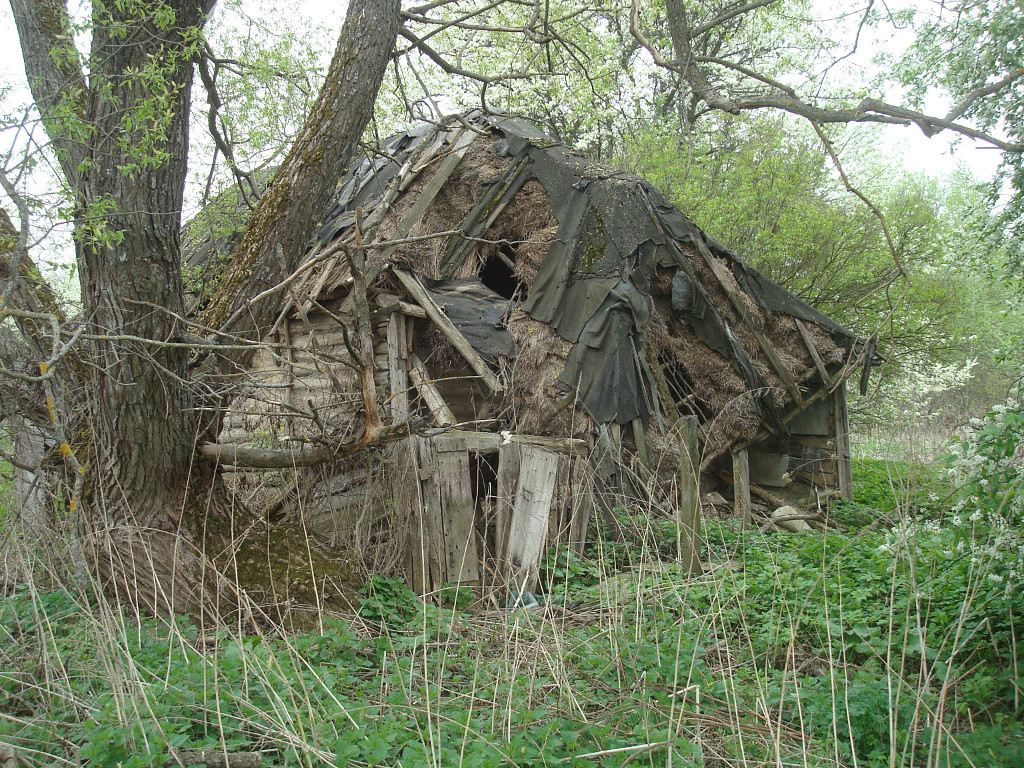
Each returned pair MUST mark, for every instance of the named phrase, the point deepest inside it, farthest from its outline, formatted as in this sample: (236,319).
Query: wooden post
(402,459)
(741,485)
(509,461)
(582,504)
(688,519)
(844,463)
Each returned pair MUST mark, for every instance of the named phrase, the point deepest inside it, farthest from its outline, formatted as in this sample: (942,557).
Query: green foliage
(387,601)
(963,50)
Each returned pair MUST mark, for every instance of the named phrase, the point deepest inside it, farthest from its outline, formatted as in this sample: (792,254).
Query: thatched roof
(603,260)
(574,277)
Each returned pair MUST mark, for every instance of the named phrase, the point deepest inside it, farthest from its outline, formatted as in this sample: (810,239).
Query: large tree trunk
(160,529)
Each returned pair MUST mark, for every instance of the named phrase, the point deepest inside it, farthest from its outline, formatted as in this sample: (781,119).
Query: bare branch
(781,97)
(986,90)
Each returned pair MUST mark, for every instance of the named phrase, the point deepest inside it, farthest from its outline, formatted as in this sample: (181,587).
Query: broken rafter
(809,341)
(306,455)
(439,409)
(389,303)
(419,293)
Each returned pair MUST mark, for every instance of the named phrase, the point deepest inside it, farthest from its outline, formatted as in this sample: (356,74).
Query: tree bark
(288,213)
(154,509)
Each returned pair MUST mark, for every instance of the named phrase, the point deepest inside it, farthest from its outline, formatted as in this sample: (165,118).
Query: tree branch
(55,77)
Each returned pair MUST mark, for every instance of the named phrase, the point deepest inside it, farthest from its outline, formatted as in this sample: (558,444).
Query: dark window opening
(497,273)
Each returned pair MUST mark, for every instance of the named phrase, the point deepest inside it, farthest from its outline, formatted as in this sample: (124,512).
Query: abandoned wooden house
(549,323)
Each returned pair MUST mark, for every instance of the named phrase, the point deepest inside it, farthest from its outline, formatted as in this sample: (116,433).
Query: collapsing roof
(529,302)
(505,225)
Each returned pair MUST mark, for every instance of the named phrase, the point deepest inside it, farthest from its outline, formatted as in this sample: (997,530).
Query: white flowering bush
(986,467)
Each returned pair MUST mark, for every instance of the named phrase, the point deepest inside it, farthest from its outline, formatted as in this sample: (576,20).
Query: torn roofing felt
(614,232)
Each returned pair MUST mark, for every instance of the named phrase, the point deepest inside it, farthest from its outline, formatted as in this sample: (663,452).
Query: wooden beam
(305,455)
(489,442)
(419,293)
(719,270)
(640,442)
(392,303)
(843,454)
(809,342)
(397,369)
(431,395)
(506,482)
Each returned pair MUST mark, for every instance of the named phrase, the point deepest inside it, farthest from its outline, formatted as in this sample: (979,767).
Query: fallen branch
(306,455)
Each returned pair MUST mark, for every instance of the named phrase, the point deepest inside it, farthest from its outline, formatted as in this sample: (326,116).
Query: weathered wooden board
(449,549)
(768,468)
(507,480)
(842,422)
(439,410)
(530,517)
(582,504)
(813,420)
(399,402)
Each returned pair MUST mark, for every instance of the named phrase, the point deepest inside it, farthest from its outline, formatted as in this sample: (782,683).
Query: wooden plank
(741,485)
(506,481)
(405,490)
(560,518)
(809,341)
(736,300)
(397,374)
(640,442)
(490,442)
(843,455)
(436,404)
(449,551)
(530,515)
(688,521)
(419,293)
(458,529)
